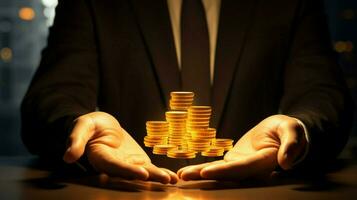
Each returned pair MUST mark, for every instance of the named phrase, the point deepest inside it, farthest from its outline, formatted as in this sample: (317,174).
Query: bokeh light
(27,13)
(343,46)
(6,54)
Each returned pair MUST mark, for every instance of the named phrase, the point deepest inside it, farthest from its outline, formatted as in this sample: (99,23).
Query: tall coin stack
(198,119)
(226,144)
(177,127)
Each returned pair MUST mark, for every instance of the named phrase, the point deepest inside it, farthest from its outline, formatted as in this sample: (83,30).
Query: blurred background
(23,31)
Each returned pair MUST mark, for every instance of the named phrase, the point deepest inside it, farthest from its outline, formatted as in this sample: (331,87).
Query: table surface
(21,179)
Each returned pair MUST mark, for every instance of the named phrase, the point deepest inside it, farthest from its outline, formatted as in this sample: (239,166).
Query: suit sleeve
(314,89)
(66,83)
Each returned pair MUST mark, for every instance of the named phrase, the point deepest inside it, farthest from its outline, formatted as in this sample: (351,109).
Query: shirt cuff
(307,147)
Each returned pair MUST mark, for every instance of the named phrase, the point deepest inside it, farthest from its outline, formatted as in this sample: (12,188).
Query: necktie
(195,71)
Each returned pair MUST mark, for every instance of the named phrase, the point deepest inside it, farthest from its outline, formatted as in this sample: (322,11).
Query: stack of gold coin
(226,144)
(182,154)
(161,149)
(209,133)
(198,117)
(197,125)
(181,100)
(213,151)
(177,127)
(199,145)
(157,133)
(151,141)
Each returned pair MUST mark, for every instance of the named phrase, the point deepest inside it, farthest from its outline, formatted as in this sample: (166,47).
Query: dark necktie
(195,69)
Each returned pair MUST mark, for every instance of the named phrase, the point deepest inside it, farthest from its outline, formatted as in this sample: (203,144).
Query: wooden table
(20,178)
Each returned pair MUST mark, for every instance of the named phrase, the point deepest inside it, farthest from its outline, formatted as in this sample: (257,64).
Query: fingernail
(285,155)
(68,150)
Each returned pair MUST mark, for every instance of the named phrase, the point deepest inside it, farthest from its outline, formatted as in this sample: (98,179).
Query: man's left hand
(278,140)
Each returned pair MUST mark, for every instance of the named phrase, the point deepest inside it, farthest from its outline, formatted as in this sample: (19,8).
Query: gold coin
(197,125)
(181,101)
(182,94)
(157,129)
(157,135)
(175,113)
(177,108)
(153,139)
(204,153)
(157,123)
(199,116)
(200,108)
(179,105)
(180,153)
(215,149)
(223,141)
(163,148)
(196,120)
(227,148)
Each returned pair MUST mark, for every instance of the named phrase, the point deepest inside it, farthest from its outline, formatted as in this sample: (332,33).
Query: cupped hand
(278,140)
(111,150)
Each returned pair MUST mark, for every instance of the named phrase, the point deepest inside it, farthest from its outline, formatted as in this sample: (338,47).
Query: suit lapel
(154,21)
(235,17)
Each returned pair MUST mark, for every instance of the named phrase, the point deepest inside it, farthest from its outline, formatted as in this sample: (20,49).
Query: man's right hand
(111,150)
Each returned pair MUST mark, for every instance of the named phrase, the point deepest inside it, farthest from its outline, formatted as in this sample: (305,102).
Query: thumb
(82,132)
(292,144)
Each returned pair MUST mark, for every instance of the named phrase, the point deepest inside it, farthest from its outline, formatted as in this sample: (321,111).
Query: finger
(179,172)
(259,164)
(193,172)
(157,174)
(104,161)
(173,176)
(293,144)
(81,133)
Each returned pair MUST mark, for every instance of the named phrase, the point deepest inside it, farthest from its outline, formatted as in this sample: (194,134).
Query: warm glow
(340,46)
(27,14)
(6,54)
(349,46)
(344,46)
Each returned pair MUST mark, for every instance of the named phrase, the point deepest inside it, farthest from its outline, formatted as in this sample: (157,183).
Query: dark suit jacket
(273,56)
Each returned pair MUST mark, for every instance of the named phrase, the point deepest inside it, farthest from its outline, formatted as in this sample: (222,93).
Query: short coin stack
(213,151)
(226,144)
(162,149)
(157,133)
(181,100)
(198,117)
(201,139)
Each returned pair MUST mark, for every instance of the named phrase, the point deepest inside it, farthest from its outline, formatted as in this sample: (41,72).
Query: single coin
(157,123)
(182,94)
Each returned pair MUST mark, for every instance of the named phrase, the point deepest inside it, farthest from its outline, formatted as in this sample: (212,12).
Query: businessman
(266,68)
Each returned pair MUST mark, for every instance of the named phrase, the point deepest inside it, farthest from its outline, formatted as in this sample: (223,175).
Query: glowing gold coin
(204,153)
(163,148)
(182,94)
(182,154)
